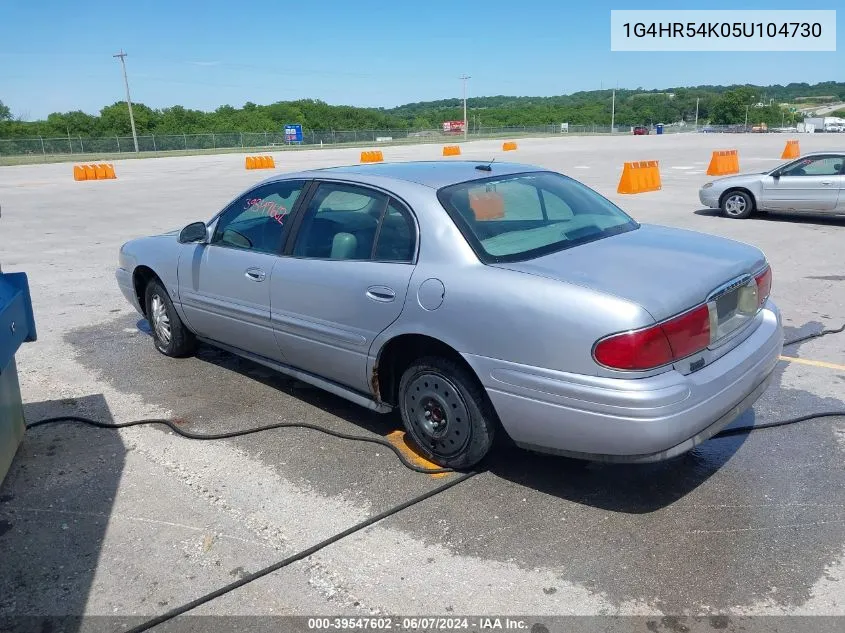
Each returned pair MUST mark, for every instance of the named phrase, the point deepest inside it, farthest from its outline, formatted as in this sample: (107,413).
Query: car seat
(344,246)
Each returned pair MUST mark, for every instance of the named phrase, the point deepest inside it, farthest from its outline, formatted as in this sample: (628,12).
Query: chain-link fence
(251,141)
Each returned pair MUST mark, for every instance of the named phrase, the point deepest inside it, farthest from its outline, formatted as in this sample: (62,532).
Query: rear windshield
(522,216)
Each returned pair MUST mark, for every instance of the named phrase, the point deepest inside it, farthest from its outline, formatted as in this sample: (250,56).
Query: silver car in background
(475,299)
(814,183)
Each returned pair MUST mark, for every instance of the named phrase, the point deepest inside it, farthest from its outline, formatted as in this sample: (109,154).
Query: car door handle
(381,293)
(827,182)
(255,274)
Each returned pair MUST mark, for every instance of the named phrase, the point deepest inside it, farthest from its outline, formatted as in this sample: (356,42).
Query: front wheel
(446,412)
(170,336)
(737,205)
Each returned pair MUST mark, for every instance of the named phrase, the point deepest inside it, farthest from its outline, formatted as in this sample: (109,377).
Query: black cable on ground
(367,522)
(229,434)
(298,556)
(801,339)
(770,425)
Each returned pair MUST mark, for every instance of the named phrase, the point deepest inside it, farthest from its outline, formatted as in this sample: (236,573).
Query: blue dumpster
(658,128)
(17,326)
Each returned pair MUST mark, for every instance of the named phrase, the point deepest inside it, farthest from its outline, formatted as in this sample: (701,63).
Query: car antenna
(487,166)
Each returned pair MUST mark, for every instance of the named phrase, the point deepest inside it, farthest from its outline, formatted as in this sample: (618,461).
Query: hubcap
(735,205)
(438,414)
(161,322)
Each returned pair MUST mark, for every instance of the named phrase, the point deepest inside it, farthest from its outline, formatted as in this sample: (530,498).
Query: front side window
(815,166)
(520,216)
(258,221)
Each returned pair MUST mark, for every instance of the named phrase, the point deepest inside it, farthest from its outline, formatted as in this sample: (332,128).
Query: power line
(122,56)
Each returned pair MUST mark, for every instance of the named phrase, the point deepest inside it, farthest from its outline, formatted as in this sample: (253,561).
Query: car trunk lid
(664,270)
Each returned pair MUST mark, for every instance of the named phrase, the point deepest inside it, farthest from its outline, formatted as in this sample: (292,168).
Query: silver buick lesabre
(475,298)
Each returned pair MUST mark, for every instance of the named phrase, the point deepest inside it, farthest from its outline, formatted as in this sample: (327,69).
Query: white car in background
(813,183)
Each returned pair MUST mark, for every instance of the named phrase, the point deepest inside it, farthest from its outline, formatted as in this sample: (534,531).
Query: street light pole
(696,113)
(464,79)
(122,56)
(746,118)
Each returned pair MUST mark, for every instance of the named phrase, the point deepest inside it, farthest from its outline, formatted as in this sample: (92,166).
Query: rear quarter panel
(516,317)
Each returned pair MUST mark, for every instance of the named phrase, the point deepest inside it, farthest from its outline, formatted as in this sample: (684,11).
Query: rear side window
(521,216)
(396,236)
(340,223)
(346,221)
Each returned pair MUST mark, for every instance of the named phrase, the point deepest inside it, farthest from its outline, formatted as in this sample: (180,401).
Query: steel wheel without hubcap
(438,414)
(161,322)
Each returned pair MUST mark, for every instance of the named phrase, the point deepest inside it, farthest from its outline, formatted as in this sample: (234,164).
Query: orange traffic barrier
(508,146)
(451,150)
(372,156)
(723,162)
(101,171)
(260,162)
(639,177)
(792,149)
(487,205)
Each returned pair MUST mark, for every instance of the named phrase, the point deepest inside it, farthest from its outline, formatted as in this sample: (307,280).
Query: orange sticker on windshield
(487,205)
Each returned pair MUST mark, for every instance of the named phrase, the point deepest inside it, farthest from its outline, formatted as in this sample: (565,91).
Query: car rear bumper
(127,287)
(631,420)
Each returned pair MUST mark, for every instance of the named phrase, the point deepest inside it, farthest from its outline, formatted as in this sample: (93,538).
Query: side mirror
(194,232)
(776,175)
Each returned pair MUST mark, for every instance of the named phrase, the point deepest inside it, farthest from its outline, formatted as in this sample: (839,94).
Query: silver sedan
(474,299)
(814,183)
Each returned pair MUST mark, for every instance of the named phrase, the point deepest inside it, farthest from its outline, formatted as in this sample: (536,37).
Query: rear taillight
(683,335)
(657,345)
(642,349)
(764,285)
(688,333)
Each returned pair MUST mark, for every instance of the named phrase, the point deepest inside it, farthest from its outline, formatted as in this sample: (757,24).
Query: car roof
(435,174)
(836,152)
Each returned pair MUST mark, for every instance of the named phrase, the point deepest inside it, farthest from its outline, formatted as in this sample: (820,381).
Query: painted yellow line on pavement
(814,363)
(409,451)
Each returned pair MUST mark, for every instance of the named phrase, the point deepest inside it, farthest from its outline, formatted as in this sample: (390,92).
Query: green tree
(730,108)
(114,119)
(5,112)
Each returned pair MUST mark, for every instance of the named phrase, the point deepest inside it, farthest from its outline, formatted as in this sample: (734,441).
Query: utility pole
(696,113)
(122,56)
(746,118)
(464,79)
(613,111)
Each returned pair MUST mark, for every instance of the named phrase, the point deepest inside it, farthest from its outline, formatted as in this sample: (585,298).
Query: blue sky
(57,55)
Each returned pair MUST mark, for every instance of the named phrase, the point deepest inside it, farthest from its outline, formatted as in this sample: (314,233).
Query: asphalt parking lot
(139,521)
